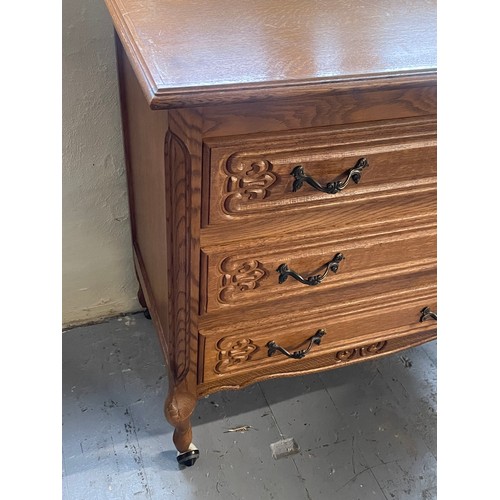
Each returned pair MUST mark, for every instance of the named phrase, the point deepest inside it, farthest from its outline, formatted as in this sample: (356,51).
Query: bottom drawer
(245,351)
(388,342)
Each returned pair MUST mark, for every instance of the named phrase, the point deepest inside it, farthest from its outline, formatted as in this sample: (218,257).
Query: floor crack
(272,413)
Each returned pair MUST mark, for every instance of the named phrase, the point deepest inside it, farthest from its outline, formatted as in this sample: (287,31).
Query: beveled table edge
(182,97)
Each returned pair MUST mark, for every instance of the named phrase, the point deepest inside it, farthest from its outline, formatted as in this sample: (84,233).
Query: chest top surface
(190,52)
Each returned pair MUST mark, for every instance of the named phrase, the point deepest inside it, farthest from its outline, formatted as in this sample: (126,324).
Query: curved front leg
(179,407)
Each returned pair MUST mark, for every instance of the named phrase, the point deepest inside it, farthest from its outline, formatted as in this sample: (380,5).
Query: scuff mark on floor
(130,437)
(406,361)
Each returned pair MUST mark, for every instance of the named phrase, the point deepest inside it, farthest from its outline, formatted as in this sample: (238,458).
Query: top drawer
(252,176)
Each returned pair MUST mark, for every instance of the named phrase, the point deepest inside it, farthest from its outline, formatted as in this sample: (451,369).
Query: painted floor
(366,431)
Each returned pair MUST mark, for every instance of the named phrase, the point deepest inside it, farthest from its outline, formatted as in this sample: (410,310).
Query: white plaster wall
(97,267)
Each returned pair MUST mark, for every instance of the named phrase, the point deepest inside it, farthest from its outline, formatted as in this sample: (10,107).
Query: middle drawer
(258,275)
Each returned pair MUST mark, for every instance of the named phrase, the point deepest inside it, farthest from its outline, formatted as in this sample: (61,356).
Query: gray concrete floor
(366,431)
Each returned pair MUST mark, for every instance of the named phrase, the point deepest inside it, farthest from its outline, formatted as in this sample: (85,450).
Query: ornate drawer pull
(332,187)
(315,339)
(426,313)
(333,266)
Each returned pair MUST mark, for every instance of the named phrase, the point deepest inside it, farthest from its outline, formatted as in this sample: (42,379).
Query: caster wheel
(188,458)
(146,314)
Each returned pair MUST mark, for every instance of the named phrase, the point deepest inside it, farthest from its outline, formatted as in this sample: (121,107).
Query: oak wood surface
(270,315)
(389,206)
(397,340)
(250,176)
(191,53)
(250,278)
(259,88)
(247,350)
(144,137)
(162,162)
(182,191)
(356,103)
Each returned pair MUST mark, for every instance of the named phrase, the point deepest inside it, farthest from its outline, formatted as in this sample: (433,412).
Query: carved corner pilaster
(177,176)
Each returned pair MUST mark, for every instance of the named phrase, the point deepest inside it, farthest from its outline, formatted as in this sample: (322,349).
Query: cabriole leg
(179,407)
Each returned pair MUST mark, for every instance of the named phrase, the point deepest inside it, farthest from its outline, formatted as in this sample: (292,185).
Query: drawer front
(248,177)
(308,271)
(343,337)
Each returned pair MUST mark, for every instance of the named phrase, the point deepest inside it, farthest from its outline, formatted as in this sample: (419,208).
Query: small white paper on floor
(284,448)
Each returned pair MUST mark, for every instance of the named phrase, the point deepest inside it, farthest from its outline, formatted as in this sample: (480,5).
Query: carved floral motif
(239,277)
(248,181)
(345,355)
(232,353)
(360,352)
(369,350)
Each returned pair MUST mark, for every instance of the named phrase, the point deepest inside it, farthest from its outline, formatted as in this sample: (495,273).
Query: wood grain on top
(191,52)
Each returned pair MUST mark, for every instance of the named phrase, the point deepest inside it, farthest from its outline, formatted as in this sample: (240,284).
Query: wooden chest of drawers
(283,202)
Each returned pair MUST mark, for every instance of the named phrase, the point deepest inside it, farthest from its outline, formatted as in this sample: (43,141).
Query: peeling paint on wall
(98,274)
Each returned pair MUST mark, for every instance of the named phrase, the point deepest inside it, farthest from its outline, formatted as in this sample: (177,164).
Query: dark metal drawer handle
(333,266)
(332,187)
(426,313)
(315,339)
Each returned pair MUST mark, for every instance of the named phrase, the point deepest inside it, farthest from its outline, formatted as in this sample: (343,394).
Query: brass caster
(188,458)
